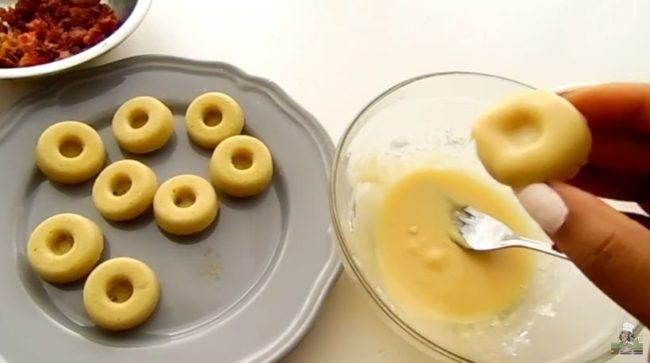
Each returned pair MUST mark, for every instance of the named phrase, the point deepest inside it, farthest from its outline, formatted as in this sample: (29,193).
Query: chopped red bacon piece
(34,32)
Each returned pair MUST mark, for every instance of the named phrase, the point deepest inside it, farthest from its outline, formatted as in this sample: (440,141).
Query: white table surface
(333,56)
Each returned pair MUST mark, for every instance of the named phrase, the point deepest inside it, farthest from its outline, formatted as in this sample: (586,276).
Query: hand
(611,249)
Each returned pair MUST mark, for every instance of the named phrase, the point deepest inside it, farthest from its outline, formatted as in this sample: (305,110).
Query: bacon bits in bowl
(41,37)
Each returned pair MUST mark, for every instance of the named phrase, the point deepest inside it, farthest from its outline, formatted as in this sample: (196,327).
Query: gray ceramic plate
(246,290)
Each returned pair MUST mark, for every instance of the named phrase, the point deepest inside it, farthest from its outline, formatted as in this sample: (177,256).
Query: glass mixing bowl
(562,316)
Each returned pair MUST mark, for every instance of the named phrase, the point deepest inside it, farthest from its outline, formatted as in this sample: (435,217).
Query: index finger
(616,106)
(618,115)
(622,106)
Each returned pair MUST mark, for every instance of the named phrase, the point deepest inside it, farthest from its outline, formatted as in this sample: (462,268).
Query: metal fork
(481,232)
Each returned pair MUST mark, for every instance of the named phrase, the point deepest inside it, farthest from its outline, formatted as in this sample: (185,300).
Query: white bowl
(130,12)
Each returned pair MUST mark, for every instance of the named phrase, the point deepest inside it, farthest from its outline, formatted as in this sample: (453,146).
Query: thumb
(612,250)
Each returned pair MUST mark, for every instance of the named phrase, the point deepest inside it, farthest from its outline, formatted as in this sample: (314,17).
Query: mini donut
(121,293)
(185,204)
(241,166)
(534,136)
(64,247)
(142,125)
(212,117)
(124,189)
(70,152)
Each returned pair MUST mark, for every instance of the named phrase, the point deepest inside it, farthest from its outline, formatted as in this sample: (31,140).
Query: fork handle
(534,245)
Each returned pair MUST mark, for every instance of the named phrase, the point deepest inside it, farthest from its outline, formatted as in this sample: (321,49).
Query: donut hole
(120,185)
(60,242)
(212,116)
(138,118)
(523,129)
(184,197)
(71,147)
(242,159)
(119,289)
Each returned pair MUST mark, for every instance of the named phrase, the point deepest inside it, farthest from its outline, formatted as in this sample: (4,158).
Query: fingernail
(544,205)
